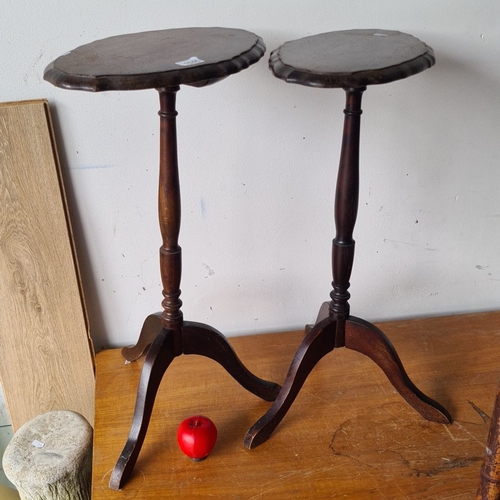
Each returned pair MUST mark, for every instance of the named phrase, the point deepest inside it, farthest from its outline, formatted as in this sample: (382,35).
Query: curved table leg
(317,343)
(150,329)
(159,357)
(367,339)
(198,338)
(323,313)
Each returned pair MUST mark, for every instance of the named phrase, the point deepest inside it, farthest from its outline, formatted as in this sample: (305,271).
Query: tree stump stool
(50,457)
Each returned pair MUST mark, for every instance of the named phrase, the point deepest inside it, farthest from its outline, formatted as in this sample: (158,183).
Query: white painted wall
(258,161)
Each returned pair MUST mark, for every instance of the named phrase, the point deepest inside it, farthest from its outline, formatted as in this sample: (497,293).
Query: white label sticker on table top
(190,62)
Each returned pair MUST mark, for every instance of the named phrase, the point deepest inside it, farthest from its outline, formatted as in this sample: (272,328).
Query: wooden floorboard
(348,434)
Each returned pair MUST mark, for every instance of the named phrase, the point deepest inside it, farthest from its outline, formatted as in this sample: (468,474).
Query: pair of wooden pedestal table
(165,60)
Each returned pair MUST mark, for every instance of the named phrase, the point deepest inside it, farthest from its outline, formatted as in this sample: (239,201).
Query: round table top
(352,58)
(156,59)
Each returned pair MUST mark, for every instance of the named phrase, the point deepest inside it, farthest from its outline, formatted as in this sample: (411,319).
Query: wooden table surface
(348,434)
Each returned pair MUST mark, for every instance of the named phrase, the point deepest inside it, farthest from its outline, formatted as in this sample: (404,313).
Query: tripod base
(358,335)
(195,338)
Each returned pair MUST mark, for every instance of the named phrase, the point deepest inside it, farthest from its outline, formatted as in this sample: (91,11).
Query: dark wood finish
(169,215)
(335,326)
(349,434)
(176,336)
(353,58)
(489,484)
(151,60)
(150,329)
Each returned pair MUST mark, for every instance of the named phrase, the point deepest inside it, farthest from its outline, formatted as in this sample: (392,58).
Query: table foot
(367,339)
(198,338)
(317,343)
(150,329)
(158,358)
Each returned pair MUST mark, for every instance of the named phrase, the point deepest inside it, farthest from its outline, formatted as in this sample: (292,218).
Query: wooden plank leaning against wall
(46,355)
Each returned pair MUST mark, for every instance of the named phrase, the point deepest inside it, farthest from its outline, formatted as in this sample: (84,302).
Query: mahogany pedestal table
(350,60)
(164,60)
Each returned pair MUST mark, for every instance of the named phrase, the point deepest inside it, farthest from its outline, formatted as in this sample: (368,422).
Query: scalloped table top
(351,58)
(156,59)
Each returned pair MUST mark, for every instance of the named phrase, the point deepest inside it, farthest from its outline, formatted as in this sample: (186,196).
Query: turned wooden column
(346,210)
(169,215)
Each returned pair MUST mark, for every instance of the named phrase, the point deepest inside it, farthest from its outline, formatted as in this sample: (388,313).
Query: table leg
(316,344)
(150,329)
(367,339)
(337,328)
(159,356)
(198,338)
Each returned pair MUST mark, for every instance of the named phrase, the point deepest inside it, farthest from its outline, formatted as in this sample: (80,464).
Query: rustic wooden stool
(50,457)
(350,60)
(164,60)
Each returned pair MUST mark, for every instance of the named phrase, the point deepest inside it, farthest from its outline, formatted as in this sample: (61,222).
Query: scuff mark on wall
(210,271)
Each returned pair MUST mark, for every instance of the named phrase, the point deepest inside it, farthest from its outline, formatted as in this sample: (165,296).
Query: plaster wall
(258,161)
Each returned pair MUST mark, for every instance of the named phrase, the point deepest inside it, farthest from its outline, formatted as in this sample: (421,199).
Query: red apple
(196,437)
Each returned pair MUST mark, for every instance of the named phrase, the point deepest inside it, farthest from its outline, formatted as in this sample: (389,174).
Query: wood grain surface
(156,59)
(46,358)
(348,434)
(352,58)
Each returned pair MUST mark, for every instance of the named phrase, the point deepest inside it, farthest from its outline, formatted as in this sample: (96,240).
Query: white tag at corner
(190,62)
